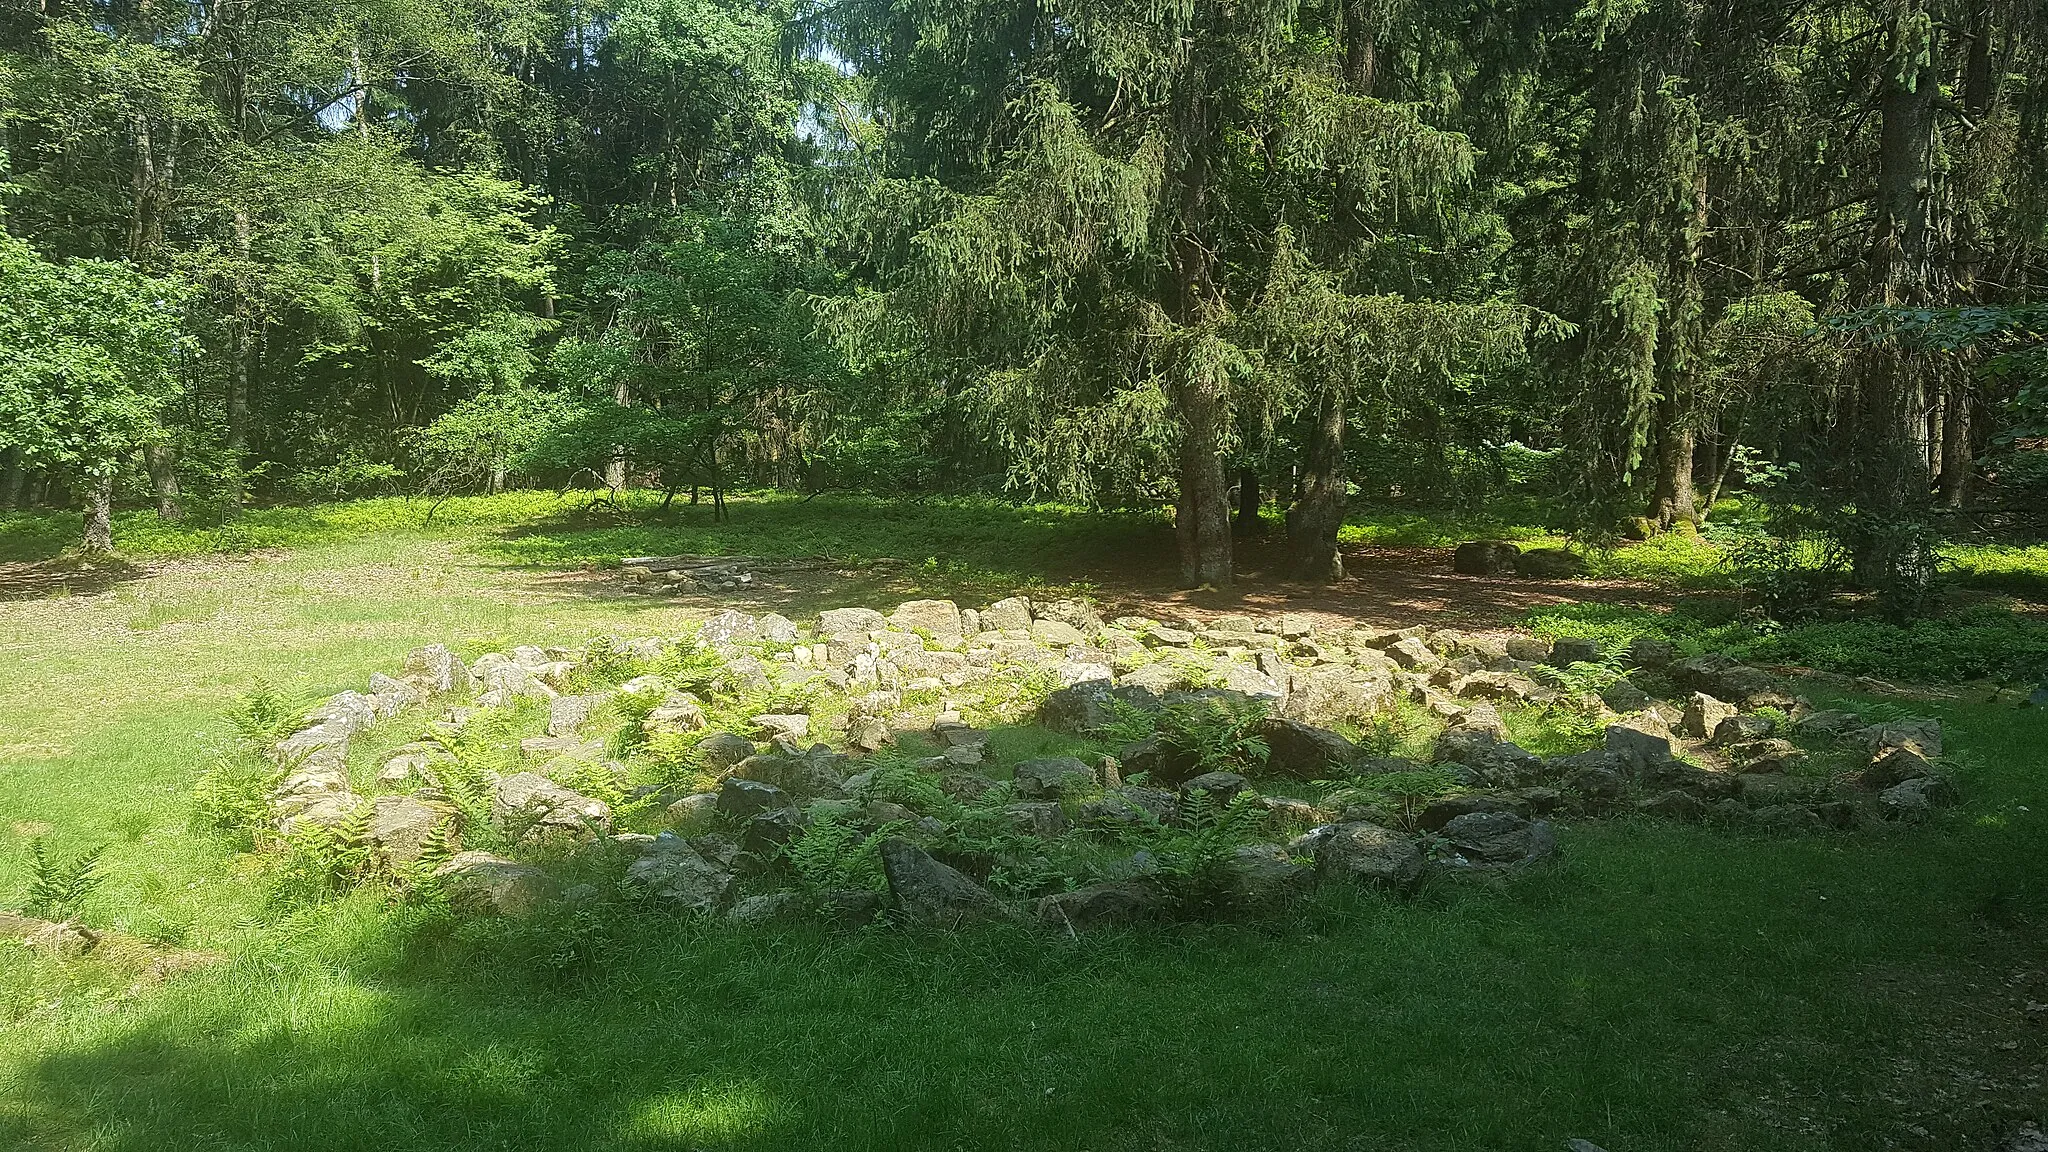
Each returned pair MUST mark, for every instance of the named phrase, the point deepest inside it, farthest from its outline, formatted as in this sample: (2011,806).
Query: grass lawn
(1669,988)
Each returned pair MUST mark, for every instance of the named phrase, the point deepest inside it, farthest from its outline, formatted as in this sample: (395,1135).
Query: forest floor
(1670,988)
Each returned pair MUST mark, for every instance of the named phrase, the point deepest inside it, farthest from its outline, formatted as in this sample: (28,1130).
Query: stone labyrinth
(1026,760)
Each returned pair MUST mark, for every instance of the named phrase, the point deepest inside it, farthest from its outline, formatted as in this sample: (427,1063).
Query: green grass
(1670,988)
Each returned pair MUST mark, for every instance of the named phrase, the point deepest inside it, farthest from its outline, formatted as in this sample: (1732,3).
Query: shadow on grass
(64,576)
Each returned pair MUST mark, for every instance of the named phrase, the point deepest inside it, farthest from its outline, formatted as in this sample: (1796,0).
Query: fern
(263,715)
(232,794)
(832,855)
(56,888)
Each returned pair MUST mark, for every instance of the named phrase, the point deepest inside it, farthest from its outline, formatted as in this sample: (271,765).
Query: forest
(1247,260)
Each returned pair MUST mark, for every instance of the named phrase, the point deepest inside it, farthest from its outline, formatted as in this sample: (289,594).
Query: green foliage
(1402,795)
(89,353)
(263,715)
(833,854)
(57,888)
(232,794)
(1973,643)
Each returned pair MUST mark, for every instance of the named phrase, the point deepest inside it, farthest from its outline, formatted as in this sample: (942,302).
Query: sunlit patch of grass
(699,1114)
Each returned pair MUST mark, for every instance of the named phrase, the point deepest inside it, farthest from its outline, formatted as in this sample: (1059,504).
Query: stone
(568,714)
(1739,729)
(1761,789)
(1083,708)
(1922,735)
(1369,854)
(1264,874)
(1566,651)
(404,828)
(1103,905)
(1598,785)
(1643,742)
(931,894)
(1654,655)
(1056,633)
(1550,564)
(1915,799)
(801,775)
(1301,751)
(680,879)
(1013,612)
(1037,818)
(1832,722)
(778,629)
(723,750)
(789,726)
(1500,837)
(766,908)
(435,670)
(867,733)
(766,832)
(1439,813)
(1622,696)
(482,882)
(1155,758)
(693,809)
(1335,694)
(1413,654)
(969,786)
(528,803)
(936,618)
(678,712)
(1485,558)
(1530,649)
(1170,637)
(1131,805)
(743,799)
(1892,766)
(1052,776)
(1674,805)
(1725,678)
(1771,755)
(1292,810)
(1075,614)
(850,621)
(1704,714)
(1222,787)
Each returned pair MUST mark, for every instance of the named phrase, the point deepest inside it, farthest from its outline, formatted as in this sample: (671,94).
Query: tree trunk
(162,463)
(13,479)
(1678,361)
(1957,459)
(1889,539)
(1249,524)
(241,350)
(99,516)
(1202,516)
(1674,503)
(615,473)
(1313,522)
